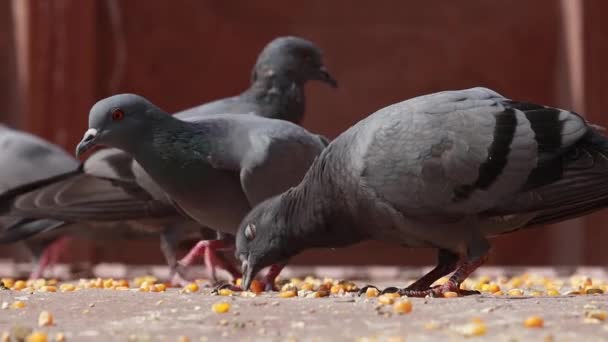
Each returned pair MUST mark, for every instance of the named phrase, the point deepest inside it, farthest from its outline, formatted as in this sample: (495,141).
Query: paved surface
(110,315)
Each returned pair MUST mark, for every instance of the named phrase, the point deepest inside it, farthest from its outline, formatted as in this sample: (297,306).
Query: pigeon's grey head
(293,57)
(261,239)
(114,120)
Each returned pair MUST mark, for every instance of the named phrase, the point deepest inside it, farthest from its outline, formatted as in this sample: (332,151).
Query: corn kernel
(516,282)
(5,337)
(192,287)
(393,295)
(60,337)
(183,339)
(450,294)
(536,293)
(372,292)
(441,281)
(485,287)
(553,292)
(478,329)
(18,305)
(484,279)
(36,336)
(597,314)
(336,289)
(493,288)
(498,293)
(256,286)
(67,287)
(238,282)
(19,285)
(386,300)
(45,318)
(402,306)
(122,282)
(47,288)
(8,282)
(534,322)
(287,294)
(225,292)
(221,307)
(289,287)
(306,287)
(515,292)
(160,287)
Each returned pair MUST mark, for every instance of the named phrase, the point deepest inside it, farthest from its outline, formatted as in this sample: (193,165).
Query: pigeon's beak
(248,274)
(88,141)
(325,76)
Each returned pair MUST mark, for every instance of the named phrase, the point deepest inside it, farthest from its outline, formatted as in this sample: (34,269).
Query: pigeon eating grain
(445,170)
(215,169)
(276,91)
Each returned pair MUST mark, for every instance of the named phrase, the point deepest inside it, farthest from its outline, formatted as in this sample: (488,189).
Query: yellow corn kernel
(295,281)
(238,282)
(477,329)
(36,336)
(484,279)
(393,295)
(498,293)
(308,286)
(47,288)
(60,337)
(38,283)
(534,322)
(536,293)
(441,281)
(18,305)
(552,292)
(515,292)
(403,306)
(493,288)
(289,287)
(450,294)
(597,314)
(19,285)
(372,292)
(287,294)
(183,339)
(336,289)
(121,282)
(516,282)
(45,318)
(8,282)
(67,287)
(192,287)
(108,283)
(121,288)
(225,292)
(221,307)
(386,300)
(160,287)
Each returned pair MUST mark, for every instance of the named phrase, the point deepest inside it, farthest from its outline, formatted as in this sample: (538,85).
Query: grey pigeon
(277,91)
(98,200)
(26,158)
(445,170)
(215,169)
(277,83)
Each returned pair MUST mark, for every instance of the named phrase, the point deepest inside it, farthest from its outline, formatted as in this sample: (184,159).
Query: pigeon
(26,158)
(277,91)
(446,171)
(98,200)
(213,170)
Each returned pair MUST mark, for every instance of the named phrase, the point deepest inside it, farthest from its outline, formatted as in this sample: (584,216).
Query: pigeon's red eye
(250,232)
(117,114)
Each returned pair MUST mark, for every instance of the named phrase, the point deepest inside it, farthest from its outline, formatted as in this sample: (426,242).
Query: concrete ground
(131,315)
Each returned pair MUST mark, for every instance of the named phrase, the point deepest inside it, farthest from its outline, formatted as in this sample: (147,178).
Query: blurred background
(61,56)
